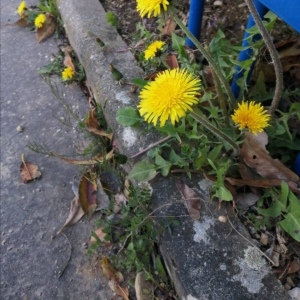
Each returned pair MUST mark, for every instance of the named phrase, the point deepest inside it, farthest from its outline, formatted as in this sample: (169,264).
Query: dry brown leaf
(191,200)
(94,160)
(169,27)
(88,194)
(93,125)
(255,156)
(74,215)
(47,29)
(68,61)
(293,267)
(21,23)
(171,61)
(116,288)
(126,187)
(264,239)
(109,271)
(289,54)
(29,171)
(262,183)
(101,235)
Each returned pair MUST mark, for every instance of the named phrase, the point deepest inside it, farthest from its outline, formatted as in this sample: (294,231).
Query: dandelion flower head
(152,49)
(169,96)
(39,20)
(251,115)
(21,9)
(67,73)
(149,7)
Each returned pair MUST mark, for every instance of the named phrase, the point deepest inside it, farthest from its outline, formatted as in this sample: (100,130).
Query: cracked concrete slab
(204,258)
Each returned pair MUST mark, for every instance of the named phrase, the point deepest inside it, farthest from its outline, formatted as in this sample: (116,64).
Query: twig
(266,256)
(63,270)
(152,146)
(274,56)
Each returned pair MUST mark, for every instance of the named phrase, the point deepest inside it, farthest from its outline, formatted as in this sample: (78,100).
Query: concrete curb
(205,259)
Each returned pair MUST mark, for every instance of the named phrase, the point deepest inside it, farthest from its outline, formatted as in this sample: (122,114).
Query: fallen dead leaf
(109,271)
(264,239)
(68,61)
(126,187)
(93,125)
(74,215)
(262,183)
(47,29)
(115,277)
(21,23)
(88,194)
(171,61)
(29,171)
(255,156)
(294,267)
(101,235)
(169,27)
(116,288)
(191,200)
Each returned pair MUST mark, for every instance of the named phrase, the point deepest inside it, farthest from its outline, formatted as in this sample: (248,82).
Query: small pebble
(222,219)
(218,3)
(20,128)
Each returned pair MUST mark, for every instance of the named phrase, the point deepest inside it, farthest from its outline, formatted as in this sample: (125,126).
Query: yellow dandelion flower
(150,52)
(149,7)
(21,9)
(251,115)
(169,96)
(67,73)
(39,20)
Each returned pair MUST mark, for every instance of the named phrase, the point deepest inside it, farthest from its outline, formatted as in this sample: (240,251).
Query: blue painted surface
(195,20)
(246,54)
(296,166)
(287,10)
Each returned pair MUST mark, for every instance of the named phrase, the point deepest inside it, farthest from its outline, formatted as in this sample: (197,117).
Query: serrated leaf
(177,42)
(273,211)
(143,171)
(291,223)
(128,116)
(139,82)
(284,193)
(163,165)
(223,194)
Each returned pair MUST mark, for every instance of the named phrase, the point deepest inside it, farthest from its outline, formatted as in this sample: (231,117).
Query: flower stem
(273,53)
(220,93)
(208,57)
(200,118)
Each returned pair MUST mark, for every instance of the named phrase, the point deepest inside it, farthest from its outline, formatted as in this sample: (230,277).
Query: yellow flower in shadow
(39,20)
(152,49)
(151,7)
(251,115)
(67,73)
(169,96)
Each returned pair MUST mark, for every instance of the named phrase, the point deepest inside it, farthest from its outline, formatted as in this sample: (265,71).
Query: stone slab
(205,258)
